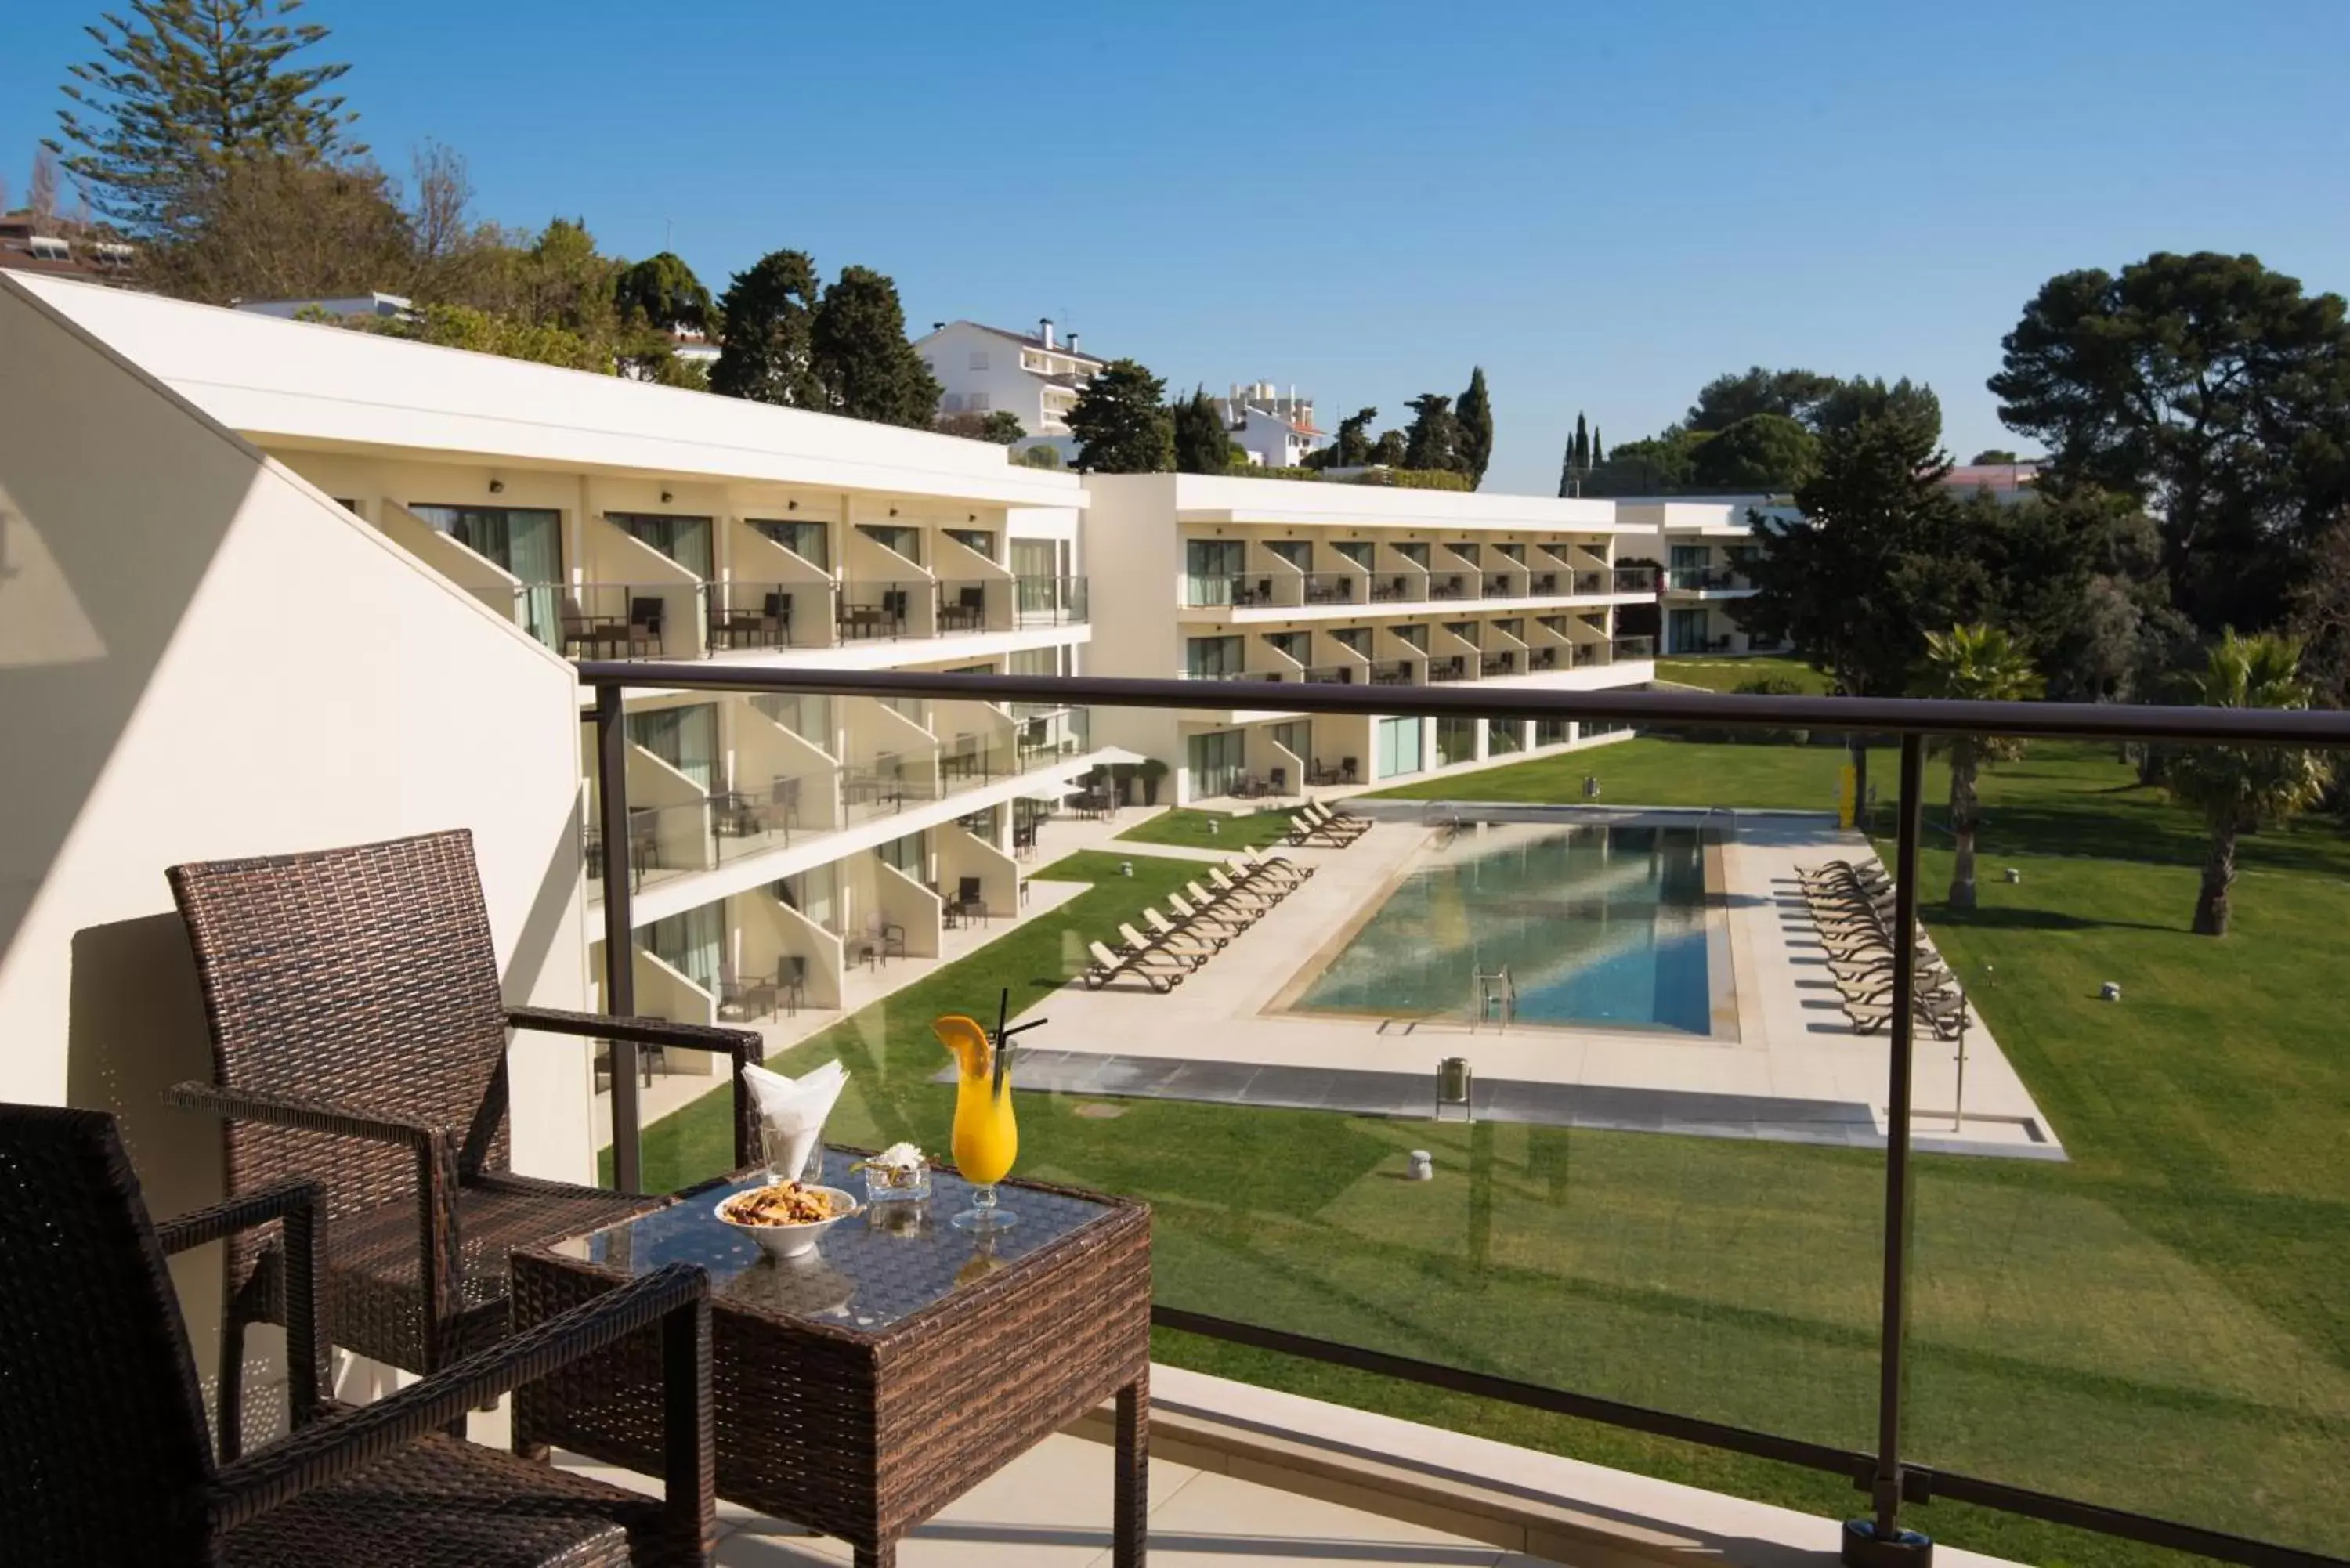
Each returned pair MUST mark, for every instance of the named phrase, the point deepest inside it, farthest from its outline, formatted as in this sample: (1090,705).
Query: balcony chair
(103,1428)
(970,898)
(971,608)
(893,609)
(358,1031)
(791,982)
(775,618)
(884,940)
(1277,781)
(643,631)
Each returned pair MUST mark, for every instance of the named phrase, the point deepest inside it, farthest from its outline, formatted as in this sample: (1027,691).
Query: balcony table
(858,1390)
(962,618)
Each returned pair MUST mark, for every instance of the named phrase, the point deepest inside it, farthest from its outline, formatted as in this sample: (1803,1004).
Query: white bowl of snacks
(786,1218)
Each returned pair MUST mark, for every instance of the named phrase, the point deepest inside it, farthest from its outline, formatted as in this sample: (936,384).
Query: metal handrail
(1889,1479)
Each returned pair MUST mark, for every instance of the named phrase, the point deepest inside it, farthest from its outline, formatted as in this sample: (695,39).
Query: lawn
(1730,674)
(1213,830)
(1646,771)
(2162,1323)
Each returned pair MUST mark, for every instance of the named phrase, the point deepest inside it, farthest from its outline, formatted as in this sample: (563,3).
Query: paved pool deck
(1797,1070)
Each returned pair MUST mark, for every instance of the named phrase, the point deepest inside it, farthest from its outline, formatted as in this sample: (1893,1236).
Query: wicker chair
(102,1433)
(359,1039)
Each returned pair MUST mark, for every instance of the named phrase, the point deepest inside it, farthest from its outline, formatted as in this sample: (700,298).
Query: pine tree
(1201,446)
(183,88)
(1474,416)
(867,368)
(1433,440)
(665,291)
(1121,423)
(770,314)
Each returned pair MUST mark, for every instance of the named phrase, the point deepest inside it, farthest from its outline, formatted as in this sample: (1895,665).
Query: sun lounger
(1214,936)
(1107,966)
(1276,865)
(1248,885)
(1227,896)
(1230,918)
(1190,954)
(1328,821)
(1943,1016)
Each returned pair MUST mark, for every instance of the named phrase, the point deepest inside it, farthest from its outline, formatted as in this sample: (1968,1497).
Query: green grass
(2161,1325)
(1730,674)
(1189,829)
(1646,771)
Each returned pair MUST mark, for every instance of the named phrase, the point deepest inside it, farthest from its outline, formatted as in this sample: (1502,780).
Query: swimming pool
(1598,925)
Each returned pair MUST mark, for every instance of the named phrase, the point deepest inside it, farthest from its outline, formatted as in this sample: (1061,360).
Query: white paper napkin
(792,1112)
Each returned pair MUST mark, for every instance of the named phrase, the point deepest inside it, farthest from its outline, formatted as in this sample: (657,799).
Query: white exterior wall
(1135,529)
(200,656)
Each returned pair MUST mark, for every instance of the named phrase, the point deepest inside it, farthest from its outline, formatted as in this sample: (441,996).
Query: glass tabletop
(869,1271)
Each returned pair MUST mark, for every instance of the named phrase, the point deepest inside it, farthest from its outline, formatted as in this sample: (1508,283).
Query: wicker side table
(859,1390)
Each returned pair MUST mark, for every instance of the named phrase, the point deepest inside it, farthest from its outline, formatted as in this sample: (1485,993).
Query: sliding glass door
(524,542)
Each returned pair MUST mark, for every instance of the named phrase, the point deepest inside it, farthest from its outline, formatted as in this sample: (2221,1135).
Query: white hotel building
(1250,586)
(778,843)
(346,576)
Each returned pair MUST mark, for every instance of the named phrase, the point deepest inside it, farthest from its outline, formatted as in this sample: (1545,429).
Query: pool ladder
(1497,994)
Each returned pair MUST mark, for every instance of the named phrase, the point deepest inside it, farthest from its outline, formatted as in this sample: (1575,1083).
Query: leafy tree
(862,356)
(2208,389)
(1879,556)
(1389,450)
(1975,663)
(664,291)
(41,195)
(1001,427)
(1475,418)
(770,315)
(1121,423)
(563,280)
(1728,399)
(1433,437)
(183,89)
(1202,445)
(1647,467)
(463,326)
(1991,455)
(1762,451)
(1352,449)
(2321,614)
(276,228)
(1847,403)
(2240,788)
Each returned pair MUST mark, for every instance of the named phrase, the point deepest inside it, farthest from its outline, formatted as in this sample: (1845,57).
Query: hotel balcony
(1276,591)
(1706,582)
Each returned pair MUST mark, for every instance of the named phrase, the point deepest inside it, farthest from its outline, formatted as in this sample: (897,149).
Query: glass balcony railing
(1843,1058)
(1635,648)
(1447,668)
(1332,675)
(1335,588)
(1501,586)
(866,610)
(613,620)
(967,606)
(1443,585)
(1503,663)
(1635,579)
(1050,601)
(1394,672)
(746,615)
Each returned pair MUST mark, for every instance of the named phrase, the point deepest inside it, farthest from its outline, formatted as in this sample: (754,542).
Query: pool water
(1597,925)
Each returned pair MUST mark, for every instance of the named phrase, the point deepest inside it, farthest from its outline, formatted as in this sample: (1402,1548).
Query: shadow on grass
(2002,919)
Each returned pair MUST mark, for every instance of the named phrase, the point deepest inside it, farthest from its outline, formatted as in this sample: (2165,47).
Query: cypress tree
(1598,456)
(857,345)
(1473,447)
(1580,452)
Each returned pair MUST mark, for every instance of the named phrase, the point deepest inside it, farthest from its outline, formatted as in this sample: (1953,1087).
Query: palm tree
(1973,664)
(2237,787)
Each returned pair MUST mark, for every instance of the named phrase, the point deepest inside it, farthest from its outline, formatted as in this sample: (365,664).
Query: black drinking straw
(1001,1066)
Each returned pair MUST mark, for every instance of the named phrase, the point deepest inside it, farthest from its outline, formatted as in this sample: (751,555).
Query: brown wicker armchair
(359,1039)
(102,1443)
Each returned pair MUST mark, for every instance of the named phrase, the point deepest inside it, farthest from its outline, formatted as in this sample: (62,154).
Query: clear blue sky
(1604,204)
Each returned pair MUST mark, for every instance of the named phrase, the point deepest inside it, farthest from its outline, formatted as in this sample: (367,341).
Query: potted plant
(1150,769)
